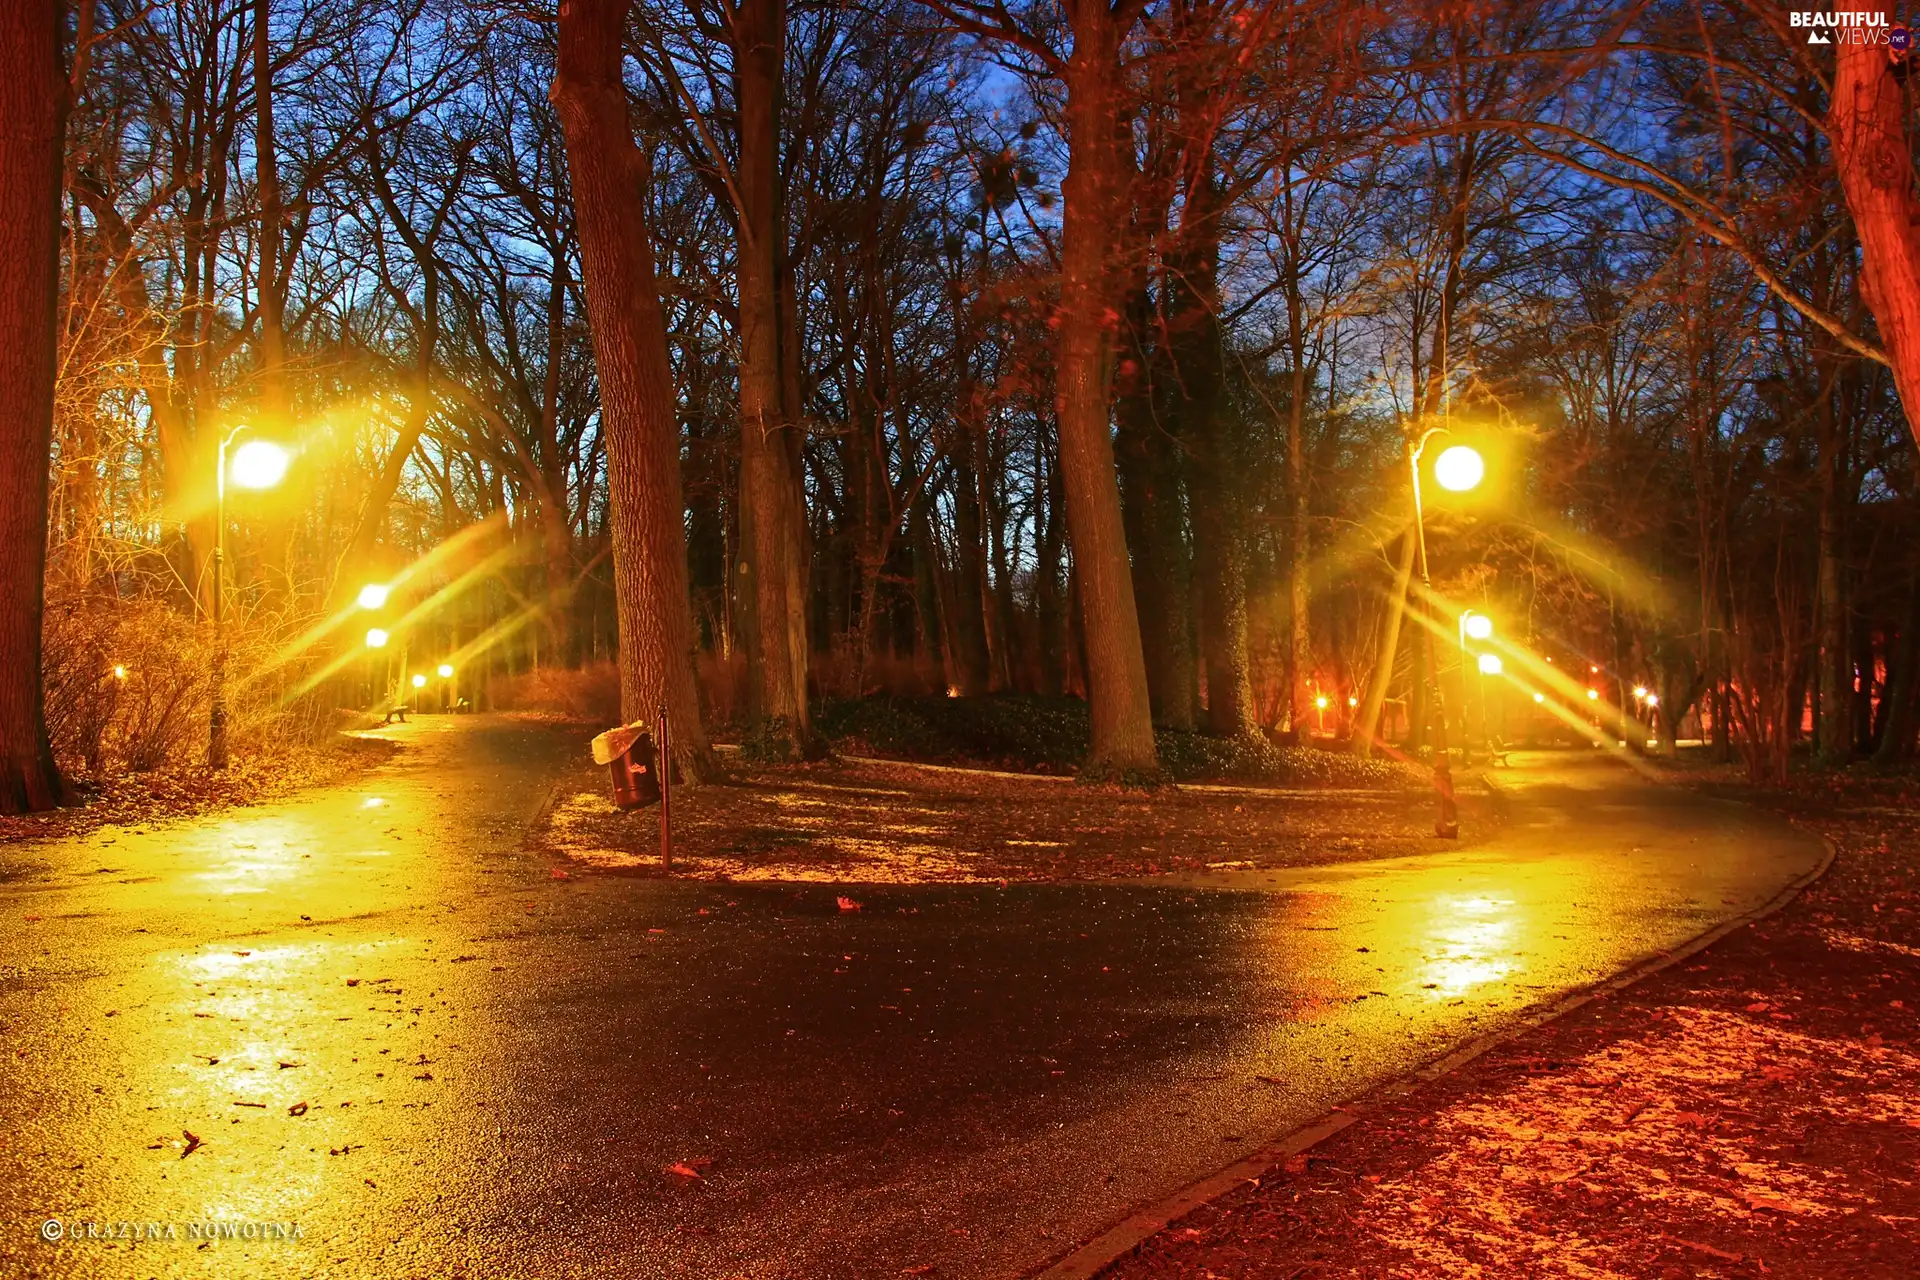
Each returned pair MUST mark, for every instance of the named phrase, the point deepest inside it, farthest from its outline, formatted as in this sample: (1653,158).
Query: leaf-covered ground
(894,823)
(171,795)
(1752,1112)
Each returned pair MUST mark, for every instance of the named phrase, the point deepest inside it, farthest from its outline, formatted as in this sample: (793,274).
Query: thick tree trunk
(769,484)
(610,179)
(1366,731)
(33,97)
(1867,126)
(1162,572)
(1116,667)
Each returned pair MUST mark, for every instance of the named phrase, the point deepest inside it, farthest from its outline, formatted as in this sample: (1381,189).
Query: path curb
(1127,1235)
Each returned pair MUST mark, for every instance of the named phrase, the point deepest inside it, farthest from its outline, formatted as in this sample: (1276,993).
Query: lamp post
(257,464)
(1458,468)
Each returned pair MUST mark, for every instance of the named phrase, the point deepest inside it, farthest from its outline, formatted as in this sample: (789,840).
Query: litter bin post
(666,797)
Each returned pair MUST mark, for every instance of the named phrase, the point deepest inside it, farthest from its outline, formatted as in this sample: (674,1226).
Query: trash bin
(629,756)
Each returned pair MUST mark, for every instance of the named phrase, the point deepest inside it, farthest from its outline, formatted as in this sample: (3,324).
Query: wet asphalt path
(498,1067)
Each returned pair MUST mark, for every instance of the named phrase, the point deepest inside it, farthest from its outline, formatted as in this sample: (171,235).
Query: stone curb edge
(1118,1241)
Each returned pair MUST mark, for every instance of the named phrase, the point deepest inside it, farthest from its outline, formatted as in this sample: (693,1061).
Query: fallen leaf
(193,1142)
(297,1109)
(847,904)
(559,874)
(682,1169)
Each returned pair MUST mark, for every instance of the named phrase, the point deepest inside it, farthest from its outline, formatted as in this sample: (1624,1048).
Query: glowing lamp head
(1653,699)
(1321,702)
(1539,697)
(444,671)
(119,672)
(1353,702)
(373,596)
(1639,691)
(1490,664)
(258,464)
(1479,626)
(1593,695)
(419,681)
(1459,468)
(376,638)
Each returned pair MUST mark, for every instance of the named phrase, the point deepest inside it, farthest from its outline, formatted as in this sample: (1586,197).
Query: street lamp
(257,464)
(1457,469)
(377,638)
(372,596)
(444,671)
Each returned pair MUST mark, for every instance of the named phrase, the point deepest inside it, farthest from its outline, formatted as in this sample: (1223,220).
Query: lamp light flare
(1353,702)
(444,671)
(1653,699)
(1639,691)
(376,639)
(419,681)
(1321,702)
(373,595)
(1479,626)
(258,464)
(1539,697)
(1459,468)
(1593,695)
(119,672)
(1490,664)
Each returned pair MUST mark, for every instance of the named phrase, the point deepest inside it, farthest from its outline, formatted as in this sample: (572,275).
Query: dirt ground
(171,795)
(894,823)
(1752,1112)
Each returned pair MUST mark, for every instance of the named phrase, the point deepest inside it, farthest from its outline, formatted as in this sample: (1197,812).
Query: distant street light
(419,681)
(257,464)
(376,638)
(1490,664)
(373,596)
(1593,695)
(444,671)
(1477,625)
(119,672)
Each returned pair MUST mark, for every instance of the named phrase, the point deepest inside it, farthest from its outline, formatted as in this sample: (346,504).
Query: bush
(1052,735)
(590,694)
(129,686)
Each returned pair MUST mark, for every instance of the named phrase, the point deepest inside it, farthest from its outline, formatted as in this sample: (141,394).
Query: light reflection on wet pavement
(387,1023)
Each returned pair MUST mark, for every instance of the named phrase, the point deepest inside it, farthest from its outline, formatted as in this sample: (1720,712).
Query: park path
(499,1066)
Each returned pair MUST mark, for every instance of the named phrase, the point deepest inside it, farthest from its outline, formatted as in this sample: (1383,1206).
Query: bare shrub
(590,693)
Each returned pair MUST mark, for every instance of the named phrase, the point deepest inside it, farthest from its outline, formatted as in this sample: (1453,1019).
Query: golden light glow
(444,671)
(1321,702)
(1490,664)
(1459,468)
(419,681)
(373,595)
(1639,691)
(376,638)
(119,673)
(1593,695)
(1653,699)
(258,464)
(1353,702)
(1479,626)
(1539,697)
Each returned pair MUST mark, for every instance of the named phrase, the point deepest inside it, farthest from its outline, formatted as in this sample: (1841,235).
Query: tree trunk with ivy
(33,96)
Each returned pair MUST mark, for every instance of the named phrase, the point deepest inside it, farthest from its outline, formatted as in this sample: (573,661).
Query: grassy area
(1051,735)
